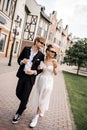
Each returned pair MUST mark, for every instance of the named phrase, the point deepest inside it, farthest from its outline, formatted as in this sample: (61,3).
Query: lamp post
(17,22)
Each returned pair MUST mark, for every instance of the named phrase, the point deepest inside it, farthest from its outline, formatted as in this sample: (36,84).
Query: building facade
(10,12)
(33,21)
(37,23)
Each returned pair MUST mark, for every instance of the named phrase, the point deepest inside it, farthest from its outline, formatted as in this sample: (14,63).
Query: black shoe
(16,119)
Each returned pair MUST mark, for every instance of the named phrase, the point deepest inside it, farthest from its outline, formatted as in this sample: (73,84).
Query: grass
(77,91)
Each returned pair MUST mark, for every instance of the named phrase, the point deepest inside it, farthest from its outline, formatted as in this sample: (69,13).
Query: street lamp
(17,23)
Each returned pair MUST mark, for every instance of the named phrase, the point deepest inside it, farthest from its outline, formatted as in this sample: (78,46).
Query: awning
(2,20)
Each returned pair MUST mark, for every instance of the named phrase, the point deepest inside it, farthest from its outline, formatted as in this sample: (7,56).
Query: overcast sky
(73,13)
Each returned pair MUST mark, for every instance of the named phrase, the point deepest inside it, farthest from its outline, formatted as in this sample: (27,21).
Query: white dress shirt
(29,62)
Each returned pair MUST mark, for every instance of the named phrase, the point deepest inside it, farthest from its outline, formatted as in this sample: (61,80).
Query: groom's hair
(39,39)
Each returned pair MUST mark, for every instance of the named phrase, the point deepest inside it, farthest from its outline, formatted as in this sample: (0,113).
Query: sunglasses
(52,51)
(42,43)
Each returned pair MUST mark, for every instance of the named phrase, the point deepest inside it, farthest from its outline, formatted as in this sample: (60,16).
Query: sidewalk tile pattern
(58,117)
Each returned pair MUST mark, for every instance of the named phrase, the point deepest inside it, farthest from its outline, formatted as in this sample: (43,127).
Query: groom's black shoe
(16,119)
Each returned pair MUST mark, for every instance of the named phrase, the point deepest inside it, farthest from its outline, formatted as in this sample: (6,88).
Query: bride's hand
(55,67)
(39,67)
(55,63)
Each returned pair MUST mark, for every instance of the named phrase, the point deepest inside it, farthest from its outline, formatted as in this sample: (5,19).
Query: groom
(34,56)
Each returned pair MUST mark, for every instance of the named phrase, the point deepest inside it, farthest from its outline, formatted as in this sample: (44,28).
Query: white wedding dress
(43,87)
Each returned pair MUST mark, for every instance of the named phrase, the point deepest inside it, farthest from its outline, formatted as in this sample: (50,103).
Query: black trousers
(23,90)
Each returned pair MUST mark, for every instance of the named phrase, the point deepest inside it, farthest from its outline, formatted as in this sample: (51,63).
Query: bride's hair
(49,47)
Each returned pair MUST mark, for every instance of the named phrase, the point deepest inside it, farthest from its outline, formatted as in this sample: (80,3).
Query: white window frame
(4,41)
(4,7)
(16,47)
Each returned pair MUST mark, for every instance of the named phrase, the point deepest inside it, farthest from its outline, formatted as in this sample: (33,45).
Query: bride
(45,83)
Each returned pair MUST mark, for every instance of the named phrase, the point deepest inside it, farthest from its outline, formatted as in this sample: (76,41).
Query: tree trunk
(78,70)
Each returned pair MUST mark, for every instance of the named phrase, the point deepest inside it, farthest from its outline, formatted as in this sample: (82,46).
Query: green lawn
(77,91)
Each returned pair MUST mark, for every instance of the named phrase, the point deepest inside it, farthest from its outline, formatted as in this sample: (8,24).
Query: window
(2,42)
(59,28)
(41,23)
(59,43)
(12,8)
(20,22)
(1,4)
(39,31)
(54,40)
(45,26)
(29,29)
(45,34)
(16,47)
(50,36)
(6,5)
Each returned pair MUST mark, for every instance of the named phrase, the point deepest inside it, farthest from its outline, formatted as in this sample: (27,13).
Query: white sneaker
(42,114)
(34,121)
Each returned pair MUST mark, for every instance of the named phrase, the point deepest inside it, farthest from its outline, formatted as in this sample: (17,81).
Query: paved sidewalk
(73,69)
(4,65)
(58,117)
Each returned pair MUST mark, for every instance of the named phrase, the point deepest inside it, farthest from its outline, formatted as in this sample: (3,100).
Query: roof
(45,16)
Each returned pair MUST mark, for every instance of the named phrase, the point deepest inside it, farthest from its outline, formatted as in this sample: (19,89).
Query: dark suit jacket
(36,61)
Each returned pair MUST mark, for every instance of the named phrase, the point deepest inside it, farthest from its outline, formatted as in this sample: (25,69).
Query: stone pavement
(4,65)
(58,117)
(73,69)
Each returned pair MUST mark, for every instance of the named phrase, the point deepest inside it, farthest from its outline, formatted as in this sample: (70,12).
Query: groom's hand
(30,72)
(24,61)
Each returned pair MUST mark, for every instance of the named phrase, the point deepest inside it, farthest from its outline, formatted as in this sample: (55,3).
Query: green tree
(77,54)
